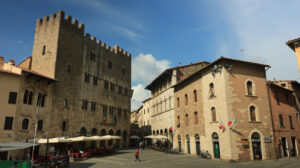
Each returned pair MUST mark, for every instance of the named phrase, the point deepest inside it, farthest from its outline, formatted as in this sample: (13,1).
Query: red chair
(75,155)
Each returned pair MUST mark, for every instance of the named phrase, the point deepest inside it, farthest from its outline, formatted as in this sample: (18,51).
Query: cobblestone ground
(154,159)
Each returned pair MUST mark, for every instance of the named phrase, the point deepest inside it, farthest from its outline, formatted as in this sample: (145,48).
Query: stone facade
(223,96)
(162,98)
(93,92)
(285,121)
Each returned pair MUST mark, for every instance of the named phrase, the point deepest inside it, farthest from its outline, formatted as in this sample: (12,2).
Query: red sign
(171,129)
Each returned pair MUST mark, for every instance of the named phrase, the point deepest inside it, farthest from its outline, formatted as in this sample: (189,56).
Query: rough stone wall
(286,107)
(68,59)
(26,63)
(238,106)
(193,106)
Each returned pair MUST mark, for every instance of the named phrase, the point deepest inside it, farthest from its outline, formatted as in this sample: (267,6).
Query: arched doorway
(93,133)
(82,133)
(118,140)
(110,142)
(124,138)
(179,143)
(197,141)
(216,145)
(188,144)
(256,146)
(102,133)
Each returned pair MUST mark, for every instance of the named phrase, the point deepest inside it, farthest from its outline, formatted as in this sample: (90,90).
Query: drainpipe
(273,128)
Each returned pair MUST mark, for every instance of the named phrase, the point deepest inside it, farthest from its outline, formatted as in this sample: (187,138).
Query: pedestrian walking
(137,152)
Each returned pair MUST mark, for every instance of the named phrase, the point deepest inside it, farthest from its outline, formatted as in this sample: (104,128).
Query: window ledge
(213,122)
(252,96)
(254,121)
(211,97)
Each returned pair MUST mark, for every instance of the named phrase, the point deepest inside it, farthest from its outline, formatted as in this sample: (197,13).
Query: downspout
(273,128)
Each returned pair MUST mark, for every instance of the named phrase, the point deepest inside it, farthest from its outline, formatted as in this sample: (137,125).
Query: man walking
(137,152)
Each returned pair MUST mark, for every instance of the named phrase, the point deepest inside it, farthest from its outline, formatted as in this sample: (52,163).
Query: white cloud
(145,68)
(262,28)
(139,94)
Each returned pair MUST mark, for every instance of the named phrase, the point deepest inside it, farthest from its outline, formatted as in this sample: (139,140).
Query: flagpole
(35,130)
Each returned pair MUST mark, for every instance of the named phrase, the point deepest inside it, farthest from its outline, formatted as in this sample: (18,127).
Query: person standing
(137,152)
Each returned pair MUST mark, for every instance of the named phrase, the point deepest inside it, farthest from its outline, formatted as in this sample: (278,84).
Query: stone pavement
(153,159)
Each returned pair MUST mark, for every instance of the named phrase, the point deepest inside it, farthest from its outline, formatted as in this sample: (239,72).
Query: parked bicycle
(205,154)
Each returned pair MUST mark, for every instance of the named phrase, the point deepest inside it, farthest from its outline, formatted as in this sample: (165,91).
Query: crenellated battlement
(66,22)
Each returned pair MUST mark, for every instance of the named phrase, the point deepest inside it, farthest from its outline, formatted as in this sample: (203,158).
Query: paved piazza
(153,159)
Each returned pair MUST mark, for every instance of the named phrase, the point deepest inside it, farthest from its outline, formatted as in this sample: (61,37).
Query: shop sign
(244,141)
(268,139)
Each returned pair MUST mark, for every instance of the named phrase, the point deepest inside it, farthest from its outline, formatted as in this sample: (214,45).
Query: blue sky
(163,33)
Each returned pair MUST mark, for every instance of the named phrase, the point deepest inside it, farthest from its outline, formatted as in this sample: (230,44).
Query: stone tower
(92,77)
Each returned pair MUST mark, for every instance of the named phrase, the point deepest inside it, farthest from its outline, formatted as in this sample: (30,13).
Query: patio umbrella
(54,140)
(161,137)
(150,137)
(81,138)
(134,137)
(15,146)
(110,137)
(96,137)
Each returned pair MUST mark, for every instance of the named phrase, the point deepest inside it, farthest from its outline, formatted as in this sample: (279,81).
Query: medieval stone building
(90,82)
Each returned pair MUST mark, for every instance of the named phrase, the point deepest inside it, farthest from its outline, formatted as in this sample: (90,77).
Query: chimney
(1,62)
(11,62)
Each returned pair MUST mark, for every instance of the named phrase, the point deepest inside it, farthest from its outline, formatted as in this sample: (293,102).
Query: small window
(123,72)
(95,80)
(86,77)
(25,98)
(109,65)
(39,100)
(119,112)
(112,86)
(104,113)
(252,113)
(213,114)
(283,85)
(93,106)
(178,102)
(120,90)
(186,120)
(40,125)
(249,88)
(43,100)
(8,123)
(195,96)
(69,69)
(25,124)
(211,90)
(106,84)
(93,56)
(44,50)
(84,104)
(65,103)
(64,126)
(281,121)
(291,122)
(12,99)
(196,118)
(186,99)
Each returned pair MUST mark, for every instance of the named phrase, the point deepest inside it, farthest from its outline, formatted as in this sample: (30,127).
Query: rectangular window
(104,113)
(86,77)
(43,100)
(112,86)
(12,99)
(111,110)
(93,108)
(281,121)
(106,84)
(95,80)
(39,100)
(8,123)
(291,122)
(84,104)
(120,90)
(109,65)
(64,126)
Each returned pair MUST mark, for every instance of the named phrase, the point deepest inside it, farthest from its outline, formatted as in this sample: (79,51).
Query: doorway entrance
(179,143)
(216,145)
(294,147)
(256,146)
(188,144)
(197,139)
(284,147)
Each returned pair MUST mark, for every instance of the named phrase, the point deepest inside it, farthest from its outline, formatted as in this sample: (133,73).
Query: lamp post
(35,130)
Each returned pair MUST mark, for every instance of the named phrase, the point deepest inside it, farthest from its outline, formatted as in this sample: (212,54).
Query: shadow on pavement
(81,165)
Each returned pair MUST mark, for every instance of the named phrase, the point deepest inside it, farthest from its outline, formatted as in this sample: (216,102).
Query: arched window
(178,121)
(186,99)
(178,102)
(94,132)
(161,132)
(118,133)
(103,132)
(195,96)
(211,90)
(40,125)
(124,138)
(252,113)
(213,114)
(110,132)
(249,88)
(166,131)
(157,132)
(83,131)
(196,117)
(186,119)
(153,133)
(25,124)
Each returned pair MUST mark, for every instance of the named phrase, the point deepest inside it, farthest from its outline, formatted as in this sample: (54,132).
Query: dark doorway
(197,139)
(216,145)
(256,146)
(284,148)
(179,143)
(294,152)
